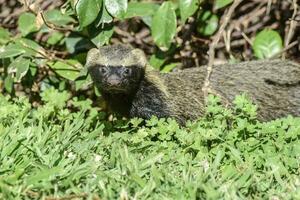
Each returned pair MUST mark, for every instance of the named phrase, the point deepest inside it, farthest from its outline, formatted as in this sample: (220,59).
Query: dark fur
(273,85)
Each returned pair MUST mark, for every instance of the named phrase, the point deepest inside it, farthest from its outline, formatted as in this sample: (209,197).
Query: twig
(51,58)
(293,25)
(125,34)
(269,5)
(244,35)
(249,18)
(234,43)
(8,25)
(53,26)
(215,41)
(227,40)
(285,49)
(41,14)
(27,5)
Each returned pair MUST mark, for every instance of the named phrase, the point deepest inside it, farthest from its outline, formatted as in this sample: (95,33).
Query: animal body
(132,88)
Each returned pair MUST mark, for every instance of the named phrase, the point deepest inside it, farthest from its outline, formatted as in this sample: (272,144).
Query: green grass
(51,152)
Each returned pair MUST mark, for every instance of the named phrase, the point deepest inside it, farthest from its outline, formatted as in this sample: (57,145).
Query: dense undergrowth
(52,153)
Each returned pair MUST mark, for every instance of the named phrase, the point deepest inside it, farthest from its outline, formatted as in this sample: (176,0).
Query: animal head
(116,68)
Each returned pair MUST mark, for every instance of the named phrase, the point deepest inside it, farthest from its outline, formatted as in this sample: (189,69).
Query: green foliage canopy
(80,25)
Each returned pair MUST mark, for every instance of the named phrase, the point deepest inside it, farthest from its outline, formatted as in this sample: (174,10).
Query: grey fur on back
(273,85)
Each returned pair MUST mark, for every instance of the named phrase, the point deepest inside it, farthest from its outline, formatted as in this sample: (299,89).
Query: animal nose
(114,80)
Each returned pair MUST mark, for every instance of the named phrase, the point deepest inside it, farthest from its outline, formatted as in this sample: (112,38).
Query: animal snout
(114,80)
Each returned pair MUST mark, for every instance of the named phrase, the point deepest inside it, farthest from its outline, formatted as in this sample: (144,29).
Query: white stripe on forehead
(116,55)
(118,61)
(130,58)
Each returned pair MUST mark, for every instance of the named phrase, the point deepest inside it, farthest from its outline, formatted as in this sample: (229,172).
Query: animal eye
(127,71)
(103,70)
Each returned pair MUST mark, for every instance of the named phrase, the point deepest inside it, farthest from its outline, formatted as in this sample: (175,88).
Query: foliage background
(44,43)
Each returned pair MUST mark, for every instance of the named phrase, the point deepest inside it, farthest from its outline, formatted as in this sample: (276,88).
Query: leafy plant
(164,25)
(267,44)
(52,153)
(222,3)
(76,27)
(207,23)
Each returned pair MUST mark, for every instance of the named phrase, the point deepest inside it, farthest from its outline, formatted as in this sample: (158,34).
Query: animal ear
(92,57)
(140,56)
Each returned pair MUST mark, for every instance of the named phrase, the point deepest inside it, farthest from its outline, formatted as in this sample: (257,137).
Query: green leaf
(29,44)
(169,67)
(221,3)
(163,26)
(33,69)
(157,61)
(22,46)
(187,8)
(97,92)
(267,43)
(160,57)
(207,23)
(10,51)
(81,83)
(87,11)
(77,44)
(116,8)
(139,9)
(103,18)
(4,36)
(9,83)
(147,20)
(20,66)
(72,43)
(27,23)
(55,38)
(70,69)
(30,47)
(56,17)
(54,97)
(102,36)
